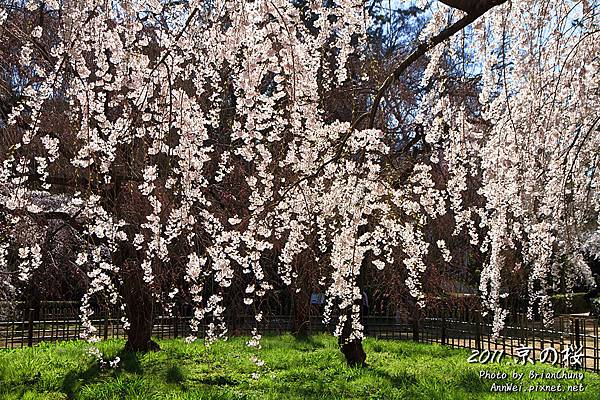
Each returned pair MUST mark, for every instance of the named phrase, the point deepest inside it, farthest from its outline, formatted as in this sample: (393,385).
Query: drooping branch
(468,6)
(423,48)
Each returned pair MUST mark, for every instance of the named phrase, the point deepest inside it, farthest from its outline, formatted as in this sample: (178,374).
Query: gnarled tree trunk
(301,312)
(352,349)
(140,311)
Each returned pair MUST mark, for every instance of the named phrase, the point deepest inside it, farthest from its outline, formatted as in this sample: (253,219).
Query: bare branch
(421,50)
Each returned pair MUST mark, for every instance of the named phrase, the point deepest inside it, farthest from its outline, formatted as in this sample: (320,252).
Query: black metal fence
(21,326)
(568,340)
(573,338)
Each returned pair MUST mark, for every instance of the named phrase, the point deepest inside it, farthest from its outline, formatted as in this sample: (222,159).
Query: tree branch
(421,50)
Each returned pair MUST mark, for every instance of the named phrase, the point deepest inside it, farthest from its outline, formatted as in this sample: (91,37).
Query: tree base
(301,330)
(354,353)
(142,347)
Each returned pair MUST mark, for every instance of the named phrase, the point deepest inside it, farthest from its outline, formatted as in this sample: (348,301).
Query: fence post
(176,323)
(30,328)
(478,329)
(443,327)
(596,355)
(415,327)
(577,340)
(106,315)
(577,332)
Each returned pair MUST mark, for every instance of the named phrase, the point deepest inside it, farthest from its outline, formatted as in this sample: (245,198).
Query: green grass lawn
(294,369)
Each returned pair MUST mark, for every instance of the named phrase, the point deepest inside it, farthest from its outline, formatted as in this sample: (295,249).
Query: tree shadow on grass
(430,350)
(130,362)
(401,379)
(308,341)
(470,382)
(467,382)
(74,380)
(217,380)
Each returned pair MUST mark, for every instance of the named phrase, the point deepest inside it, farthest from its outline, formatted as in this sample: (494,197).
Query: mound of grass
(311,368)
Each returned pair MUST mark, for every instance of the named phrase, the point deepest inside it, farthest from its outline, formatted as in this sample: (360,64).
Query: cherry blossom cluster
(534,148)
(199,141)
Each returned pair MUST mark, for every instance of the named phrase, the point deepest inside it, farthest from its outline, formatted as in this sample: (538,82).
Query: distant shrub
(578,304)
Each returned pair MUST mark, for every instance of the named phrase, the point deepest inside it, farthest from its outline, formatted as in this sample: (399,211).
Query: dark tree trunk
(140,312)
(301,312)
(352,349)
(300,293)
(139,336)
(354,353)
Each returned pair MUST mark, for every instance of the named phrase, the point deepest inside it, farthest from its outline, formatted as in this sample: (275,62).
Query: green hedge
(579,304)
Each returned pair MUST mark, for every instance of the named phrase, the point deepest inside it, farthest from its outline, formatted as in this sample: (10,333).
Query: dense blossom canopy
(197,132)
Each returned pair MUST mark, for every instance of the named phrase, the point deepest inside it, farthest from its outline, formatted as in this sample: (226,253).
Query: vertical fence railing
(458,328)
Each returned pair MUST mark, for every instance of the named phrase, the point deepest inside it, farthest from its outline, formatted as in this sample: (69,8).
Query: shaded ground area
(294,369)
